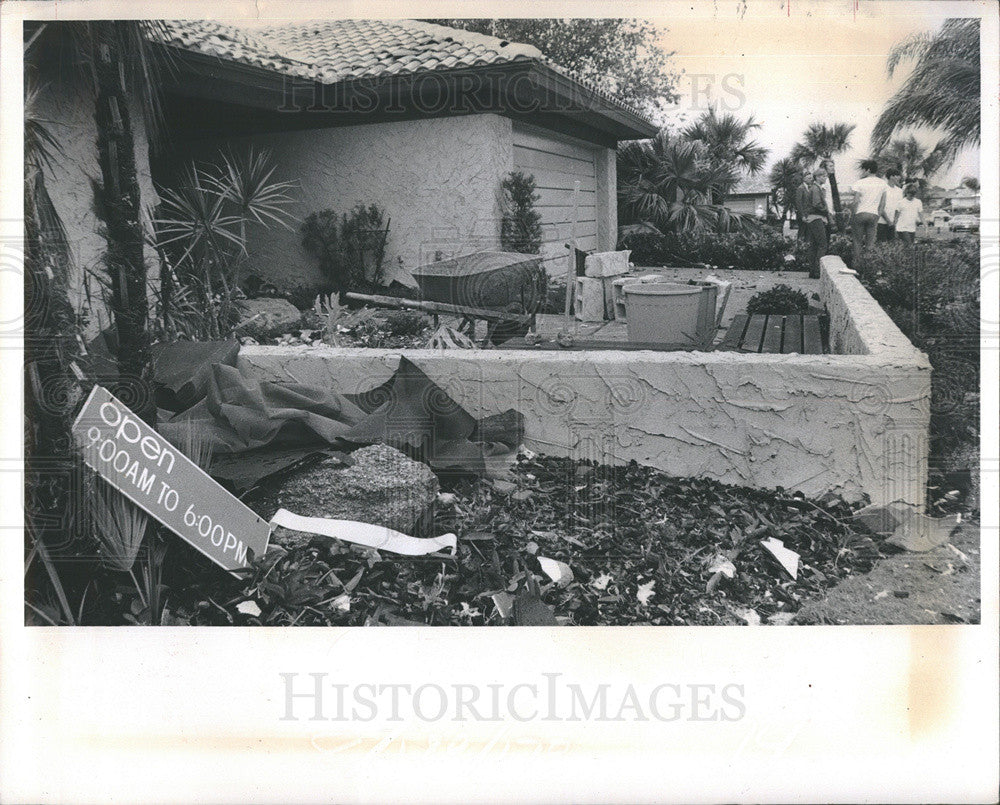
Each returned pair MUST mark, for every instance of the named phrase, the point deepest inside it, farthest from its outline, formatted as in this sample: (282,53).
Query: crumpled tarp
(240,413)
(410,412)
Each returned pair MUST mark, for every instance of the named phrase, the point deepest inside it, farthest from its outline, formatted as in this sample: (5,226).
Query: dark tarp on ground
(239,414)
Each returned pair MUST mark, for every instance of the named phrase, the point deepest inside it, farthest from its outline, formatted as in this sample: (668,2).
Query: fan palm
(820,143)
(916,162)
(668,183)
(784,179)
(942,92)
(728,146)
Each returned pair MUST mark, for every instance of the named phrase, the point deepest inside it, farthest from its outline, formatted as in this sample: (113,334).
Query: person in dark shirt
(817,216)
(801,196)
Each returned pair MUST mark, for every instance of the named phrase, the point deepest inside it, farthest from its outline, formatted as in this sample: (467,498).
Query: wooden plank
(542,140)
(555,180)
(754,334)
(772,334)
(440,307)
(812,341)
(734,335)
(586,241)
(557,197)
(528,159)
(793,334)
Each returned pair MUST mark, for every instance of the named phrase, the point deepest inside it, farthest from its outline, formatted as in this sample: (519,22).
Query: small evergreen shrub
(781,300)
(350,248)
(521,226)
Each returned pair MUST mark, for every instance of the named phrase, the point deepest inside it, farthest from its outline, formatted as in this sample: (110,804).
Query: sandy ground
(939,586)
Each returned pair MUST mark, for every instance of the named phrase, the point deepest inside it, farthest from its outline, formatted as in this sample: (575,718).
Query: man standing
(893,195)
(817,216)
(868,207)
(801,202)
(909,213)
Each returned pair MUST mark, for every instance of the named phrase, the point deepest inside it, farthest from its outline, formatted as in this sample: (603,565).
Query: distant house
(962,199)
(423,120)
(751,193)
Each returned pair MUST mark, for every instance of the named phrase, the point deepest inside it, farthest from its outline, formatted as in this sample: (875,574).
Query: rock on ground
(271,314)
(383,487)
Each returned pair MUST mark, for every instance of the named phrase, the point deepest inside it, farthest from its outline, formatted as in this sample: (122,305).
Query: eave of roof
(252,65)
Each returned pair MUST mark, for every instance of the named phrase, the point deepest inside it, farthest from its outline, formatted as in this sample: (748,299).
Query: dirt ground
(939,586)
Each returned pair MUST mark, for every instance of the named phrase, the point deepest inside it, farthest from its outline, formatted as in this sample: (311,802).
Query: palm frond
(941,92)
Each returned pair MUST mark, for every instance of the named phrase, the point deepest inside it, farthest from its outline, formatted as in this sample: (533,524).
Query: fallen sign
(166,484)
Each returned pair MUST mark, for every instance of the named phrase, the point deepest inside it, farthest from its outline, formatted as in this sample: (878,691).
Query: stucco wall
(853,424)
(66,103)
(437,180)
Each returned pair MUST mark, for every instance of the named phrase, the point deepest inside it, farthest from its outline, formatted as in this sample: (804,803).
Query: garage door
(556,164)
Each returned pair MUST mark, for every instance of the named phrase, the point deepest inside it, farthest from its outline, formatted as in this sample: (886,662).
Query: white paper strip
(372,536)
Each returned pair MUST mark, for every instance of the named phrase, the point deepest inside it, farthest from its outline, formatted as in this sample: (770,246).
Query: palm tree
(727,145)
(667,184)
(784,178)
(942,92)
(820,143)
(117,57)
(916,162)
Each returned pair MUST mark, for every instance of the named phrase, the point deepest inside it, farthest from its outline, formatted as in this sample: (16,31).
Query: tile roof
(752,185)
(330,51)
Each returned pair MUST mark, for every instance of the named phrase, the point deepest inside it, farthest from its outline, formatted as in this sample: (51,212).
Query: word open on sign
(166,484)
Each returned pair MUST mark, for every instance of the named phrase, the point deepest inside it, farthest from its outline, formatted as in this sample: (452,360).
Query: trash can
(668,313)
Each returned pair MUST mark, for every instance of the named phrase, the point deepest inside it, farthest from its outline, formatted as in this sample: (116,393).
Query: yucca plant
(203,221)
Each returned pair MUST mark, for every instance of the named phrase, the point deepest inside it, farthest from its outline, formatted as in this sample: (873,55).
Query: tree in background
(820,143)
(971,182)
(784,178)
(941,93)
(727,146)
(667,183)
(916,162)
(621,56)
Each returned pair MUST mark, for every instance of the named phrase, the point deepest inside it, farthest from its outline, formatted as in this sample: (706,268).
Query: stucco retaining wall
(853,424)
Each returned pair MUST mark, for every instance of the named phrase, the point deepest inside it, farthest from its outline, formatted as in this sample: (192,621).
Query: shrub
(350,248)
(406,322)
(759,248)
(779,300)
(521,226)
(932,294)
(303,296)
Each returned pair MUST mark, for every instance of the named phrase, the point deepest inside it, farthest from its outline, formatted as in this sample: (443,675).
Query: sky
(788,67)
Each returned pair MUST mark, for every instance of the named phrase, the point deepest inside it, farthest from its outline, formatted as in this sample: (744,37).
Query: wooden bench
(775,334)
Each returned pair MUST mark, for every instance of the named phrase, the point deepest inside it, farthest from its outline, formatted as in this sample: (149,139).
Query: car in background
(964,222)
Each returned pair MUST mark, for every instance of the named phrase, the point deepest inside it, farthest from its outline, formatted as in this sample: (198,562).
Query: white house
(423,120)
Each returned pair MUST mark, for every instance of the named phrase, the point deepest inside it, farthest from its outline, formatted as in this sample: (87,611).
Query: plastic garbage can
(668,313)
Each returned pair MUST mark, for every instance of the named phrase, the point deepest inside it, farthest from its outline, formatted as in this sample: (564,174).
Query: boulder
(383,487)
(271,314)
